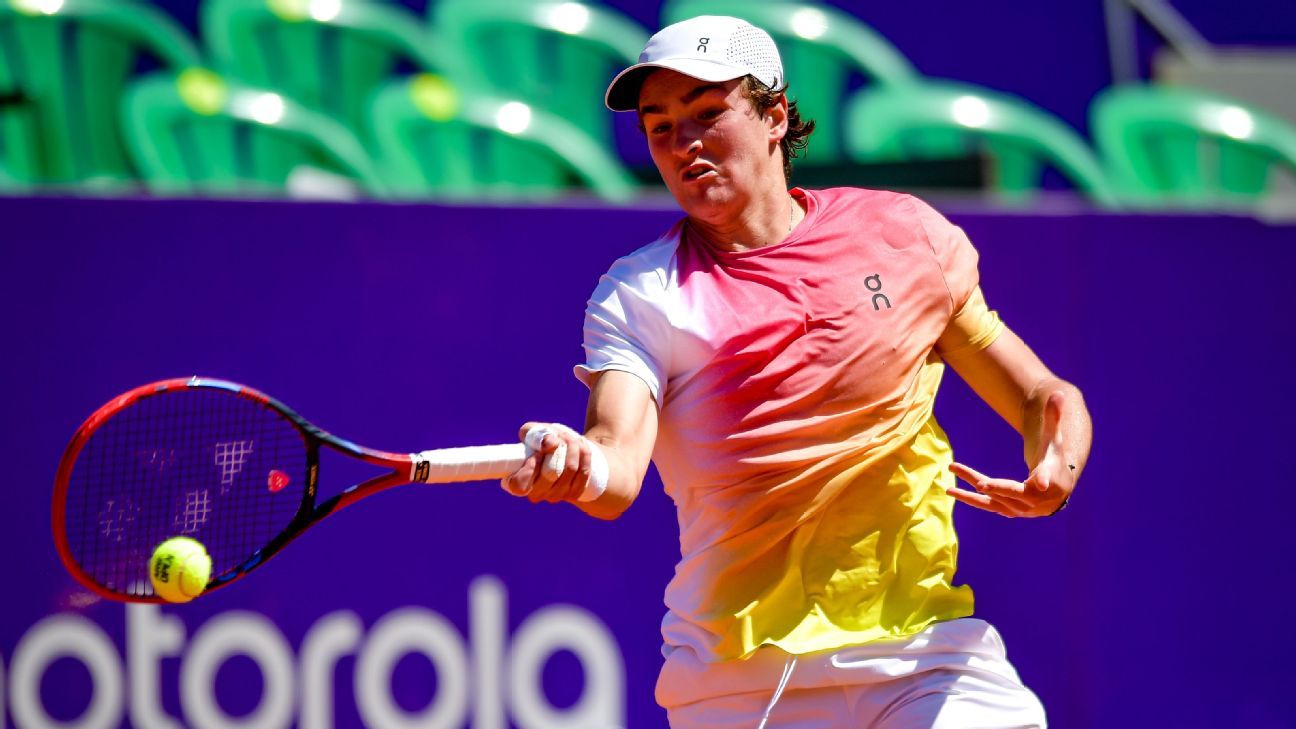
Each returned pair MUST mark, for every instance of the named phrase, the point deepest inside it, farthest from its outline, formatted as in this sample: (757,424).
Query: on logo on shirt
(874,283)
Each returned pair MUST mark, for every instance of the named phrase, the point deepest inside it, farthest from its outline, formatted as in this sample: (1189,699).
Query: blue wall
(1160,598)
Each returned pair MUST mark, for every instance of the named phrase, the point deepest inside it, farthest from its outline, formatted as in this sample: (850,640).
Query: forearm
(621,421)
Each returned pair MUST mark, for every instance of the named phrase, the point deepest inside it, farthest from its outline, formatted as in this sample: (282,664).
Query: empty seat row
(504,97)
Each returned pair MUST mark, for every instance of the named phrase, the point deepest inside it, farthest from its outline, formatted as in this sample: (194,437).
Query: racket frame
(402,471)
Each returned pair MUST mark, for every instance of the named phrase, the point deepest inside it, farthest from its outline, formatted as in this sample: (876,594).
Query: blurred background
(1130,104)
(389,215)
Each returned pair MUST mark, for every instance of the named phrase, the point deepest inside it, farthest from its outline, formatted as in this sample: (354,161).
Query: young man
(777,354)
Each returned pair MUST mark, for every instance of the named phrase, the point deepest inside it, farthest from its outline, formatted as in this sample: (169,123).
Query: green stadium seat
(198,133)
(945,119)
(821,49)
(329,54)
(1178,146)
(436,140)
(10,182)
(63,67)
(555,56)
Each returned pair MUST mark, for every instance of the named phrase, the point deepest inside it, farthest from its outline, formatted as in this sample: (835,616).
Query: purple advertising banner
(1158,599)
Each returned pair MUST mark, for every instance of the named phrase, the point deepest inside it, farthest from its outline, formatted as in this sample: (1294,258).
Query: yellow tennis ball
(180,568)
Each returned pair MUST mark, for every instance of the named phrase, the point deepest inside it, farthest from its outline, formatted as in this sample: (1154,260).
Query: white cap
(709,48)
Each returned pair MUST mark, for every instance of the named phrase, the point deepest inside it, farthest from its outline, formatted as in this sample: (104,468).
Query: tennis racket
(226,465)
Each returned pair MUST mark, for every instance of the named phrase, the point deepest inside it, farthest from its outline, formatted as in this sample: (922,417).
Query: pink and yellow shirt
(795,384)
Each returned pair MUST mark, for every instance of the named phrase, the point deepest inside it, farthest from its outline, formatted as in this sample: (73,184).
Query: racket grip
(482,463)
(474,463)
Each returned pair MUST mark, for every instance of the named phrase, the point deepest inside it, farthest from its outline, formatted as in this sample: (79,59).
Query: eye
(659,128)
(711,113)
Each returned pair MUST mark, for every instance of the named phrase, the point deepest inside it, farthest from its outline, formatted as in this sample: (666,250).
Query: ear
(777,119)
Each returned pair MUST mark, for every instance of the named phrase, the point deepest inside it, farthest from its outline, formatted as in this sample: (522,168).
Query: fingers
(984,502)
(566,471)
(567,468)
(522,481)
(559,470)
(983,483)
(1005,496)
(519,482)
(555,464)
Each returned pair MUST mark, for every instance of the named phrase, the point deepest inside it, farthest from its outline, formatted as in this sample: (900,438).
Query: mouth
(696,172)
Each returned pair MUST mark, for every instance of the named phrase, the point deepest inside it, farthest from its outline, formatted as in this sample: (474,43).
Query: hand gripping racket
(228,466)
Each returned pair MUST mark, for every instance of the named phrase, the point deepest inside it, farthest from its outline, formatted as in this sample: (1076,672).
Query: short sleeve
(974,327)
(626,328)
(954,253)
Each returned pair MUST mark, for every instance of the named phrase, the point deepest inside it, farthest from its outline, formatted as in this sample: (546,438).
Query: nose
(688,141)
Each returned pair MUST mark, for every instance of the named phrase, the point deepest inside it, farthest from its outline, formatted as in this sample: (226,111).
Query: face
(714,150)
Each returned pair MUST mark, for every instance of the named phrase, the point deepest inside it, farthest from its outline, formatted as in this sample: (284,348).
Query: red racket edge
(308,514)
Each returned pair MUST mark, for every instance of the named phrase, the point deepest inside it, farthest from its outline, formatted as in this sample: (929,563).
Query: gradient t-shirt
(795,385)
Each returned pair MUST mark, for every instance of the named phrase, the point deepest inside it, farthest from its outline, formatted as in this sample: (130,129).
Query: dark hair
(763,98)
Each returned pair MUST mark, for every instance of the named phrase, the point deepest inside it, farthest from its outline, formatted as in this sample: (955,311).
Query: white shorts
(953,675)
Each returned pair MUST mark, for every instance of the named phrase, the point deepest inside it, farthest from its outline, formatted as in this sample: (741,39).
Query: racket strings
(199,462)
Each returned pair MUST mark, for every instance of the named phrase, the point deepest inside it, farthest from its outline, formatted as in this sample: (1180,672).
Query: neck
(764,221)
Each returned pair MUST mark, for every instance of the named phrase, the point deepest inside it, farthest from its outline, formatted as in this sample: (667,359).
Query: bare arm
(1047,411)
(621,419)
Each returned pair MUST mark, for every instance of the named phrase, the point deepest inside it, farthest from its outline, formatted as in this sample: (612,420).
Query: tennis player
(776,353)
